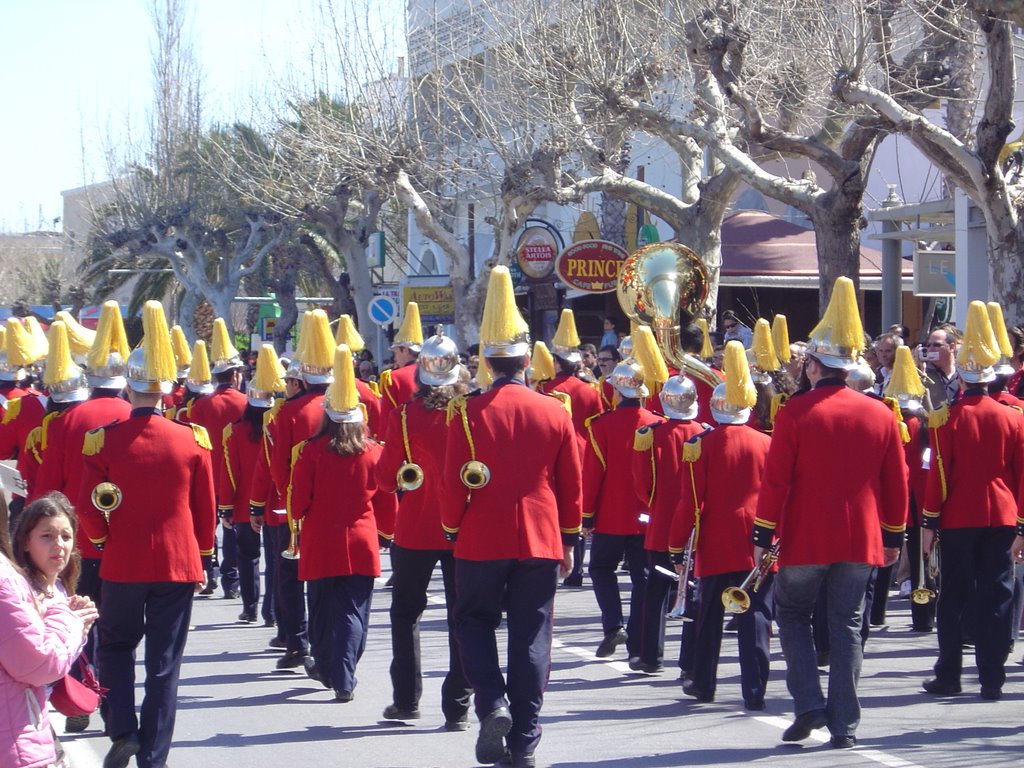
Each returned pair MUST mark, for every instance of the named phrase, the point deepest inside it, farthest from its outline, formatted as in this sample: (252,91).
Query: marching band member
(835,491)
(349,336)
(611,509)
(514,451)
(21,414)
(398,384)
(183,360)
(718,497)
(412,463)
(12,372)
(973,499)
(657,449)
(147,499)
(334,494)
(586,401)
(198,383)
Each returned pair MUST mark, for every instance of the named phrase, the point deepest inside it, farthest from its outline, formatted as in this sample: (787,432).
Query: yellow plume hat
(707,349)
(646,352)
(542,364)
(348,335)
(225,356)
(566,340)
(483,377)
(979,349)
(79,337)
(150,367)
(503,332)
(763,349)
(199,378)
(780,338)
(62,377)
(268,378)
(294,370)
(182,354)
(995,316)
(108,355)
(838,339)
(732,400)
(341,402)
(410,334)
(905,384)
(19,344)
(318,349)
(40,344)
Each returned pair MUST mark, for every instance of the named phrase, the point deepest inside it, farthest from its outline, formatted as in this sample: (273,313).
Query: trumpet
(410,476)
(737,599)
(106,497)
(678,610)
(475,474)
(294,529)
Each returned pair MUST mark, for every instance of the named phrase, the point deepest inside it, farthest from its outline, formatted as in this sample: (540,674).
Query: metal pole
(892,268)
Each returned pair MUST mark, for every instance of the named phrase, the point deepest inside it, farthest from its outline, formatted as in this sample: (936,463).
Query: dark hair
(612,350)
(506,366)
(348,439)
(691,338)
(5,532)
(224,377)
(588,349)
(762,410)
(51,505)
(565,368)
(252,418)
(437,398)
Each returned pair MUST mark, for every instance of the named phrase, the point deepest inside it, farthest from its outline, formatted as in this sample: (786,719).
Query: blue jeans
(796,590)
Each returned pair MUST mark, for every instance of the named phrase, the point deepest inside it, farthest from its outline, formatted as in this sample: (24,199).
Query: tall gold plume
(739,387)
(646,352)
(348,335)
(110,337)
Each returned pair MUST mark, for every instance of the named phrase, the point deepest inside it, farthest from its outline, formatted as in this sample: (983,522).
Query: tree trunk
(186,312)
(361,287)
(838,246)
(1006,275)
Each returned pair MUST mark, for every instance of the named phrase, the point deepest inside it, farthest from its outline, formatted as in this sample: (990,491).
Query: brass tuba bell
(475,474)
(410,476)
(106,497)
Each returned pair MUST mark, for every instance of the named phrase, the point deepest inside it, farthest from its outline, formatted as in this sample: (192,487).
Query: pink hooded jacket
(37,647)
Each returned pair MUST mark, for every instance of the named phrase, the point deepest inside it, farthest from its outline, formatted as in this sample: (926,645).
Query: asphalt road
(236,710)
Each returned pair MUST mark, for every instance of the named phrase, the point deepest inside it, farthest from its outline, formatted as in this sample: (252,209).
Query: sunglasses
(606,359)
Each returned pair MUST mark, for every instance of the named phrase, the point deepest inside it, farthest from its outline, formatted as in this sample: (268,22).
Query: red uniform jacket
(977,466)
(263,493)
(237,468)
(298,418)
(396,386)
(61,468)
(337,500)
(372,404)
(724,485)
(531,506)
(607,393)
(167,515)
(835,482)
(657,475)
(21,417)
(214,412)
(704,392)
(913,454)
(418,525)
(1007,399)
(610,504)
(9,393)
(584,397)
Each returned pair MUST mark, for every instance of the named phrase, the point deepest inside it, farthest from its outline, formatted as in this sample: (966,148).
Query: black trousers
(410,578)
(976,568)
(248,548)
(158,612)
(267,609)
(228,560)
(922,617)
(528,588)
(339,619)
(688,631)
(753,635)
(606,552)
(880,596)
(656,592)
(291,608)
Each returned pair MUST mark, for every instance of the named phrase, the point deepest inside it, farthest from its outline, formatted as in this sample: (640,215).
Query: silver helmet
(139,378)
(73,389)
(679,398)
(438,363)
(109,376)
(723,411)
(8,372)
(628,379)
(626,347)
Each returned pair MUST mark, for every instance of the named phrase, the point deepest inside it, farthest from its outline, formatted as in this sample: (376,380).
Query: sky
(77,81)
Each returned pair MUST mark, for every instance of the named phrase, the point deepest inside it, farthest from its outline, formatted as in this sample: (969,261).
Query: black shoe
(277,643)
(991,693)
(343,697)
(804,724)
(940,687)
(210,588)
(611,641)
(519,760)
(122,751)
(843,742)
(704,698)
(823,659)
(455,726)
(76,723)
(572,581)
(269,623)
(753,705)
(291,660)
(490,744)
(638,665)
(313,672)
(395,712)
(247,618)
(731,625)
(232,594)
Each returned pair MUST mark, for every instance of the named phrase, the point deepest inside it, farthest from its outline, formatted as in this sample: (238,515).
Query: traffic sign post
(382,310)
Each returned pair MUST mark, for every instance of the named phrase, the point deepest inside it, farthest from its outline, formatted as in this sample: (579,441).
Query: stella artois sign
(591,265)
(536,252)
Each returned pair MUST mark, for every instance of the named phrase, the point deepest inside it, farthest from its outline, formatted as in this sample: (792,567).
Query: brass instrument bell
(292,552)
(106,497)
(410,476)
(475,474)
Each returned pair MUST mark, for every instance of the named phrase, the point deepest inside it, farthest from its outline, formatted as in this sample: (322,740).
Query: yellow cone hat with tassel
(79,337)
(223,354)
(109,353)
(995,316)
(542,364)
(64,380)
(267,380)
(905,384)
(630,376)
(182,354)
(199,379)
(348,335)
(151,367)
(40,344)
(294,368)
(707,349)
(731,401)
(9,372)
(780,338)
(566,342)
(647,353)
(762,350)
(503,332)
(410,334)
(838,339)
(19,344)
(318,349)
(979,350)
(341,401)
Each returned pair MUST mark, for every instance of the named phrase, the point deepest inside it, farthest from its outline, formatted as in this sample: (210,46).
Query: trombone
(678,610)
(737,599)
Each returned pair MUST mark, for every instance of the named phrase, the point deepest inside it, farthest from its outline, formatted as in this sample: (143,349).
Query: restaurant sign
(591,265)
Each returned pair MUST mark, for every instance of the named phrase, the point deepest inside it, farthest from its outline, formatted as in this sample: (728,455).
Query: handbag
(73,697)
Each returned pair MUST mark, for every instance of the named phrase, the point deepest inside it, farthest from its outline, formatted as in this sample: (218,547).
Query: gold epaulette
(225,436)
(297,451)
(894,406)
(938,417)
(593,441)
(564,399)
(385,385)
(778,401)
(92,443)
(374,387)
(455,404)
(170,413)
(270,415)
(32,441)
(44,427)
(13,409)
(202,437)
(904,432)
(644,438)
(691,449)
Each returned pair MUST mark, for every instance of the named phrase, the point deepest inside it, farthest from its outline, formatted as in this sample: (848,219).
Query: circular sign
(382,310)
(591,265)
(536,252)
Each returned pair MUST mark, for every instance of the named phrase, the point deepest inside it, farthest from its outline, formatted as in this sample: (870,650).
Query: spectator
(611,333)
(734,329)
(885,351)
(939,357)
(588,355)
